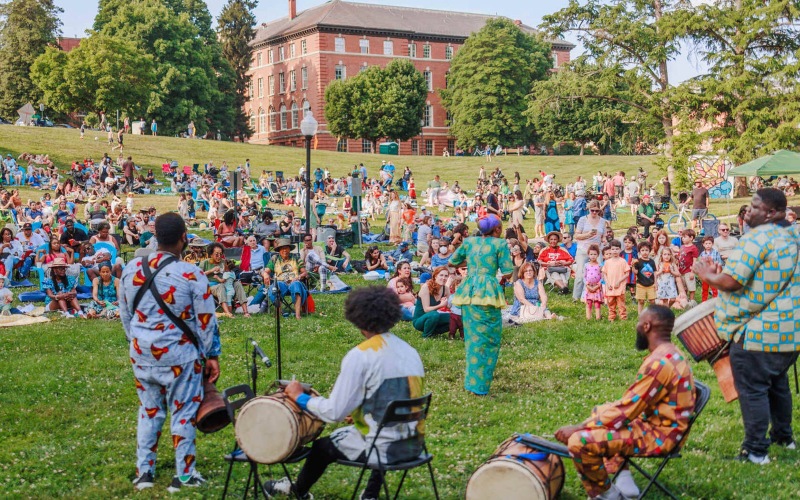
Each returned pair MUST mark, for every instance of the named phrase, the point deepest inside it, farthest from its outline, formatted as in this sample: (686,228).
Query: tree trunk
(583,147)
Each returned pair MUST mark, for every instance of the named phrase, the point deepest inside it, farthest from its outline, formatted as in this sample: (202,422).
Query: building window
(260,88)
(252,120)
(295,116)
(340,72)
(338,44)
(388,47)
(292,80)
(258,59)
(428,80)
(448,119)
(428,147)
(250,89)
(451,146)
(412,50)
(281,83)
(555,60)
(448,52)
(363,67)
(271,84)
(291,50)
(363,45)
(262,121)
(415,147)
(273,119)
(280,54)
(427,118)
(304,77)
(306,108)
(366,146)
(283,117)
(426,51)
(270,56)
(341,145)
(303,47)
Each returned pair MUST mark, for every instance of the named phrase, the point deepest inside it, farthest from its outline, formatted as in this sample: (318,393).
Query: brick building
(296,57)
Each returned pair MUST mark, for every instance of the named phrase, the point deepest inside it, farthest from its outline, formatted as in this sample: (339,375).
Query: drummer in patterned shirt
(650,418)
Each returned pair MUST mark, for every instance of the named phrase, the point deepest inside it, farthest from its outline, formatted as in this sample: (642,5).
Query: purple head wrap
(488,223)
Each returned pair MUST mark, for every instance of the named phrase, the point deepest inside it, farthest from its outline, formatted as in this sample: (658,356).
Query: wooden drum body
(269,429)
(697,331)
(517,472)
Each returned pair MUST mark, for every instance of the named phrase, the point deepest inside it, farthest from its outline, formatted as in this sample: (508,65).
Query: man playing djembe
(651,418)
(376,372)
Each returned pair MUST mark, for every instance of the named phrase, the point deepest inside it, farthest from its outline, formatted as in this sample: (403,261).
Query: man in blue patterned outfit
(167,362)
(759,310)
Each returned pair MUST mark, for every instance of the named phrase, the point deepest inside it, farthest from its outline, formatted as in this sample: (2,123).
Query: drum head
(691,316)
(266,430)
(505,478)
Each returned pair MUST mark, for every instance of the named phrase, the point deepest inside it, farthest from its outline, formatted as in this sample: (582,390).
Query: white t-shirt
(584,226)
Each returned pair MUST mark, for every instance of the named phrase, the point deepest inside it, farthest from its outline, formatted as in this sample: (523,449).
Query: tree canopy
(377,103)
(27,28)
(236,28)
(490,79)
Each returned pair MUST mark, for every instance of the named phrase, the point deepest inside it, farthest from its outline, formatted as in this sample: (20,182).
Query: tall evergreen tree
(236,28)
(27,28)
(490,79)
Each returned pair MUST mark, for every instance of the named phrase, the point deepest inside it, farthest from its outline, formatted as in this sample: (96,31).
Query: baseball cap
(403,244)
(27,225)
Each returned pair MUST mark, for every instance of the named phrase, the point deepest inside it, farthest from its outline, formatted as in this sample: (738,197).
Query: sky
(78,16)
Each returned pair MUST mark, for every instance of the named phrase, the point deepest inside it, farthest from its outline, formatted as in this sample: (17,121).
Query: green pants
(432,323)
(483,327)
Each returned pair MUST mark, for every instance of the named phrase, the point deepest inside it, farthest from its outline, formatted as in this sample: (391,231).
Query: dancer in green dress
(481,298)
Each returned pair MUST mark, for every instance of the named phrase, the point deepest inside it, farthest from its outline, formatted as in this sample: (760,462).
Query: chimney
(518,22)
(292,9)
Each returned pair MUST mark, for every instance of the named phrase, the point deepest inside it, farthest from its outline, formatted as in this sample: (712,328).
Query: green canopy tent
(781,162)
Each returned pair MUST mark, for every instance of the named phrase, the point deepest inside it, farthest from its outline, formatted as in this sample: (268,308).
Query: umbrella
(781,162)
(25,113)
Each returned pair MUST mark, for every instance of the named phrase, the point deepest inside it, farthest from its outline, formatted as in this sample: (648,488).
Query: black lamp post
(308,127)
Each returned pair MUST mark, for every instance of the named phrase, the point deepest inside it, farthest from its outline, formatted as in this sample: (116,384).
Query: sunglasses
(724,230)
(595,211)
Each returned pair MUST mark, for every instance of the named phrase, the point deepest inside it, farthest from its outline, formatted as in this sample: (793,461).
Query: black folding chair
(702,395)
(402,411)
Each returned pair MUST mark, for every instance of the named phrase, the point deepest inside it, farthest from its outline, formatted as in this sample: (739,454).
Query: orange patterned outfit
(650,419)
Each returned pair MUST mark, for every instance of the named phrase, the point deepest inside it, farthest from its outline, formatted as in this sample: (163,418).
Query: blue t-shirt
(573,250)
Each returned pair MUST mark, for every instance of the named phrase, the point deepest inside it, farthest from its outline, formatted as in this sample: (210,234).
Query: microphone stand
(254,371)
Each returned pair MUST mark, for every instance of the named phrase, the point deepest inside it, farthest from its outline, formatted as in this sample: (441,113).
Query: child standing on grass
(688,254)
(709,253)
(669,285)
(615,273)
(129,201)
(630,254)
(592,290)
(228,277)
(645,269)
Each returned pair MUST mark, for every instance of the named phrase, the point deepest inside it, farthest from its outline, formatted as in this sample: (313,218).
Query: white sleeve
(348,391)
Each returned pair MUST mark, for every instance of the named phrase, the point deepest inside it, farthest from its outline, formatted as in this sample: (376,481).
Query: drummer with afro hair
(381,369)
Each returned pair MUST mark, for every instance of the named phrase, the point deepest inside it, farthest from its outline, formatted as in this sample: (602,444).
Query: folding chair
(702,395)
(401,411)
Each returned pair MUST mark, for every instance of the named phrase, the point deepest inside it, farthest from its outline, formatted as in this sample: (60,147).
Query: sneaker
(626,484)
(613,493)
(789,445)
(746,456)
(190,481)
(282,487)
(144,481)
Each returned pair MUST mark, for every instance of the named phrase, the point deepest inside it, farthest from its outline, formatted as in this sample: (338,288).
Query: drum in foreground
(269,429)
(516,472)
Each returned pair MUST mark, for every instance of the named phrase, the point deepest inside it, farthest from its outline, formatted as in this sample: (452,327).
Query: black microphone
(261,354)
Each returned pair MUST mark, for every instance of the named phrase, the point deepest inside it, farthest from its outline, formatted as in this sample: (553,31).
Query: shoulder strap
(150,285)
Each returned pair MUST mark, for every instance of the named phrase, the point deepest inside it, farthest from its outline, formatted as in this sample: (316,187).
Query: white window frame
(291,50)
(342,70)
(260,88)
(304,77)
(281,82)
(270,56)
(303,47)
(426,51)
(295,115)
(292,80)
(412,49)
(339,44)
(281,53)
(283,117)
(363,45)
(428,74)
(271,84)
(273,119)
(388,48)
(448,52)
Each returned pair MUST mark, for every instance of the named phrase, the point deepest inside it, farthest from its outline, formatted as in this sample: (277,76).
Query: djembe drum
(698,333)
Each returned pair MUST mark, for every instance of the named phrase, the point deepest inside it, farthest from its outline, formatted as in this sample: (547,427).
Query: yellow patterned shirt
(764,312)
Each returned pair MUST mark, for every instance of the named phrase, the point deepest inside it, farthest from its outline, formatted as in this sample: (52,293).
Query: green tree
(193,82)
(121,76)
(490,79)
(27,28)
(630,44)
(377,103)
(744,106)
(236,28)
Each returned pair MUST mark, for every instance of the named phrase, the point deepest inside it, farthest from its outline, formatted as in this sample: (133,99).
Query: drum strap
(150,285)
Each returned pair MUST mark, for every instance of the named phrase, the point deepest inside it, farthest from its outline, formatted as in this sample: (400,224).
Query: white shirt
(31,244)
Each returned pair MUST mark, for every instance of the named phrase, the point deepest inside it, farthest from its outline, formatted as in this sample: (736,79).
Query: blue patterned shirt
(765,312)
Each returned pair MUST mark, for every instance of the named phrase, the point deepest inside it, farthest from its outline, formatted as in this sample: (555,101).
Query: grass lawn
(69,405)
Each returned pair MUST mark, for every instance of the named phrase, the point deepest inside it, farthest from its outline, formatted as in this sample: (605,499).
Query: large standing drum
(516,472)
(698,333)
(269,429)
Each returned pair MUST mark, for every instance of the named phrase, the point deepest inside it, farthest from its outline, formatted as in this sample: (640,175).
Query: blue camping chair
(100,245)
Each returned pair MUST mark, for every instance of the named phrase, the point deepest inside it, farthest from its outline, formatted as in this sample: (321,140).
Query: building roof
(385,18)
(67,44)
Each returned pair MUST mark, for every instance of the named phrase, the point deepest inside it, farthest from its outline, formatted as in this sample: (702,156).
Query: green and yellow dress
(481,299)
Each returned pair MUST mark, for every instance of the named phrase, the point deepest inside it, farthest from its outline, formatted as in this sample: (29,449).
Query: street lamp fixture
(308,127)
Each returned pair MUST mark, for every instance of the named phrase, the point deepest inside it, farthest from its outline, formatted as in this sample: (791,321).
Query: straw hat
(282,242)
(58,262)
(551,233)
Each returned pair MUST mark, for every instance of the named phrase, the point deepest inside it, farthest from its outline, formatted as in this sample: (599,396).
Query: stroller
(273,192)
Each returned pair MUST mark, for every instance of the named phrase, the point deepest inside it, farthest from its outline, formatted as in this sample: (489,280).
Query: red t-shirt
(686,259)
(551,254)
